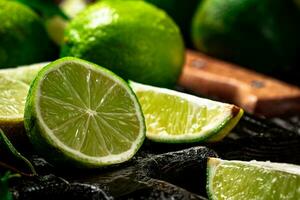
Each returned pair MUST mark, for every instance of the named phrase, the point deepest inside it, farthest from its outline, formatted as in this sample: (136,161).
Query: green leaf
(8,147)
(46,8)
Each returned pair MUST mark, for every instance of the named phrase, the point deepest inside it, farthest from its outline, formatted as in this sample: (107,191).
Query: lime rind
(284,169)
(216,130)
(45,139)
(226,128)
(212,165)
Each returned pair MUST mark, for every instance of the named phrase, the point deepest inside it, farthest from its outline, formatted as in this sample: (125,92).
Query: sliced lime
(12,99)
(23,73)
(14,86)
(237,180)
(175,117)
(79,112)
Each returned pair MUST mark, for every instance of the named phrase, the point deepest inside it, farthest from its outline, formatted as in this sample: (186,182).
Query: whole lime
(23,39)
(261,34)
(182,12)
(132,38)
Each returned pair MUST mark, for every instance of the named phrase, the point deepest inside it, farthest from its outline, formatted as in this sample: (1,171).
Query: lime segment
(85,113)
(252,180)
(175,117)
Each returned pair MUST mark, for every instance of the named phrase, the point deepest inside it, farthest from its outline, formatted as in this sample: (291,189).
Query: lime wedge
(80,113)
(175,117)
(12,100)
(237,180)
(24,73)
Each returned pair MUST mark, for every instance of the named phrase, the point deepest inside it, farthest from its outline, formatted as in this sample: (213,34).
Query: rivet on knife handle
(254,92)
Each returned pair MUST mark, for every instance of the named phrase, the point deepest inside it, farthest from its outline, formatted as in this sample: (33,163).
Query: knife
(254,92)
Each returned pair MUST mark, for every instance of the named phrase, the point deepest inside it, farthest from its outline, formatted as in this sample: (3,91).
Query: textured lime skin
(132,38)
(260,34)
(182,12)
(23,39)
(39,137)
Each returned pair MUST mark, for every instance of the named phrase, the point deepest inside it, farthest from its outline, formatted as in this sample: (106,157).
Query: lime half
(175,117)
(24,73)
(12,100)
(81,113)
(14,86)
(237,180)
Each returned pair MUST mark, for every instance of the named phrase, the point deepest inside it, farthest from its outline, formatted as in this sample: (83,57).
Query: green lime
(24,74)
(23,39)
(175,117)
(260,34)
(80,113)
(237,180)
(132,38)
(182,12)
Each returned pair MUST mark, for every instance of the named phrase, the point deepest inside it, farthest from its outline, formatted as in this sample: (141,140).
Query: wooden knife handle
(254,92)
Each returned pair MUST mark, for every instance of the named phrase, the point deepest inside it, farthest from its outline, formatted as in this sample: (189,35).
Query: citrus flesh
(252,180)
(25,74)
(12,100)
(175,117)
(132,38)
(81,113)
(14,86)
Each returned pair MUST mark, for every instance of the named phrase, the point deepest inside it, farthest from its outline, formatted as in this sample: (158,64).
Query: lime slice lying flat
(24,73)
(14,86)
(79,112)
(238,180)
(12,100)
(175,117)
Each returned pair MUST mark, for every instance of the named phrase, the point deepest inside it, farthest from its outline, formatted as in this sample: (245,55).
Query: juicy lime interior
(254,180)
(172,115)
(24,74)
(12,99)
(88,111)
(176,115)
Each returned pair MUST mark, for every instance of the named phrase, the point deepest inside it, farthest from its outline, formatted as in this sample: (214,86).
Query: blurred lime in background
(52,16)
(261,34)
(23,38)
(56,14)
(57,23)
(72,7)
(132,38)
(182,12)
